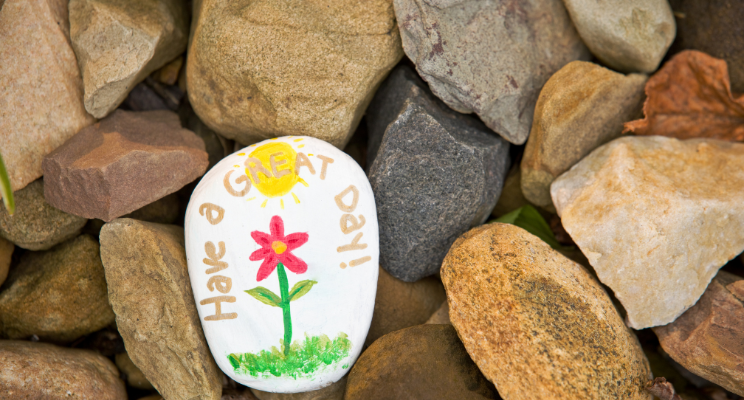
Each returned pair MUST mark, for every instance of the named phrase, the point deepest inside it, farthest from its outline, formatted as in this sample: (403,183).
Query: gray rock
(489,57)
(628,35)
(36,225)
(435,174)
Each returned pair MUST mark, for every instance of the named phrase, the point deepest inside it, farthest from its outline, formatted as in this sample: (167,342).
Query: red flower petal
(263,239)
(295,240)
(292,263)
(261,253)
(266,268)
(277,228)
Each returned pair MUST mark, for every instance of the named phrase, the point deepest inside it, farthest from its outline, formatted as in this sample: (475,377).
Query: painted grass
(304,359)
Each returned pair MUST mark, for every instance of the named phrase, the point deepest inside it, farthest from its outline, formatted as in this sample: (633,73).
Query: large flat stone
(656,217)
(436,173)
(124,162)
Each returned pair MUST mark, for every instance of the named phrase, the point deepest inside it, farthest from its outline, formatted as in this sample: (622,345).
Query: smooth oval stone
(282,245)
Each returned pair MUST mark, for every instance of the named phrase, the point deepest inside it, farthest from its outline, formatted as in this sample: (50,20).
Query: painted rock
(282,247)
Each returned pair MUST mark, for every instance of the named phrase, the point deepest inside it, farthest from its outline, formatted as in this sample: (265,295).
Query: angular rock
(118,44)
(149,290)
(135,377)
(436,173)
(122,163)
(580,108)
(58,295)
(421,362)
(537,324)
(707,338)
(45,371)
(441,316)
(490,58)
(334,391)
(628,36)
(41,92)
(644,209)
(36,225)
(275,67)
(401,304)
(713,27)
(6,254)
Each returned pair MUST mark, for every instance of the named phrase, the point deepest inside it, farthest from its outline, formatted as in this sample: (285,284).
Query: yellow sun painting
(273,170)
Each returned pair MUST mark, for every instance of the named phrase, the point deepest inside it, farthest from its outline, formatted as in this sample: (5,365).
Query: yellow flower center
(279,247)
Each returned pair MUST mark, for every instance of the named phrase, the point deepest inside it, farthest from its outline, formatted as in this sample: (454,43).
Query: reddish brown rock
(6,252)
(708,338)
(122,163)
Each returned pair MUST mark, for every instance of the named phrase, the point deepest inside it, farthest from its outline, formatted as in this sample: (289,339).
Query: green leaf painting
(265,296)
(5,189)
(300,289)
(529,219)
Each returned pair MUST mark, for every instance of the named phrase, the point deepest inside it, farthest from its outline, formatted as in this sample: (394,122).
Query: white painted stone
(229,207)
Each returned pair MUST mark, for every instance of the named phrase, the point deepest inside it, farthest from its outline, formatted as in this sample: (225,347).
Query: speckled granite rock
(490,58)
(41,92)
(537,324)
(644,209)
(58,295)
(45,371)
(418,363)
(36,225)
(118,44)
(707,338)
(581,107)
(435,174)
(269,68)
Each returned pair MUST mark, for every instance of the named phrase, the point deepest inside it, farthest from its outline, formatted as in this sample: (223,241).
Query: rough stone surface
(36,225)
(580,108)
(135,377)
(628,35)
(401,304)
(421,362)
(707,338)
(335,391)
(150,292)
(122,163)
(6,254)
(41,93)
(491,57)
(537,324)
(441,316)
(118,44)
(644,209)
(260,69)
(45,371)
(713,27)
(435,174)
(58,295)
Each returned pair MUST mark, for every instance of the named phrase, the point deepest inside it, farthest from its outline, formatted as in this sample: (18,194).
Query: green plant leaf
(529,219)
(265,296)
(5,189)
(300,289)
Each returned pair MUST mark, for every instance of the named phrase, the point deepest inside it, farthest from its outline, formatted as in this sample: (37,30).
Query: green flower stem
(284,291)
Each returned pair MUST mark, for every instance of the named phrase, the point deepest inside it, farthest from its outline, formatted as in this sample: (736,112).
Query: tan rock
(401,304)
(41,92)
(580,108)
(150,292)
(58,295)
(36,224)
(168,73)
(418,363)
(644,209)
(441,316)
(335,391)
(6,254)
(118,44)
(135,377)
(536,323)
(260,69)
(45,371)
(707,338)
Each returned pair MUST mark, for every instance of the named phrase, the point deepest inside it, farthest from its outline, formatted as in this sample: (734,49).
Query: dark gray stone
(435,174)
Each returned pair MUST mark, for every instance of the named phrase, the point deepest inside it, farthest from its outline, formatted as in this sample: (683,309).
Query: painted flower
(276,247)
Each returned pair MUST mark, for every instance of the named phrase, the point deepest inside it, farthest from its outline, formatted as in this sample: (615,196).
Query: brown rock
(135,377)
(150,292)
(122,163)
(36,225)
(276,67)
(707,339)
(6,253)
(401,304)
(581,107)
(335,391)
(118,44)
(58,295)
(41,93)
(441,316)
(168,74)
(538,325)
(45,371)
(421,362)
